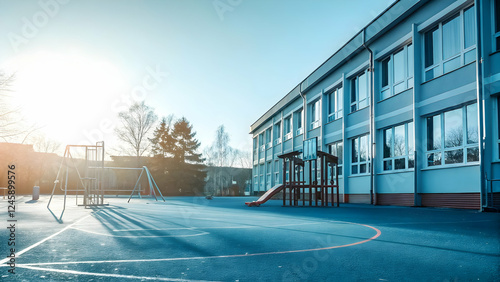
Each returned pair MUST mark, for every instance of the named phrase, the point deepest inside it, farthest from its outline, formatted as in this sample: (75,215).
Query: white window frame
(262,141)
(262,177)
(287,134)
(334,146)
(408,156)
(354,84)
(315,107)
(300,129)
(269,170)
(358,163)
(407,82)
(440,64)
(443,149)
(337,95)
(277,133)
(268,141)
(277,179)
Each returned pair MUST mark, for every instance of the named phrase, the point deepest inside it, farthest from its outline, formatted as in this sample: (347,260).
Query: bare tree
(12,124)
(137,121)
(222,157)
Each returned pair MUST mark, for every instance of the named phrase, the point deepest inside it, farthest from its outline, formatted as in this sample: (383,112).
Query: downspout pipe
(373,197)
(479,79)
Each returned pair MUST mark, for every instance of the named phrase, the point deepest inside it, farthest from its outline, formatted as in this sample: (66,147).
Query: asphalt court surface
(195,239)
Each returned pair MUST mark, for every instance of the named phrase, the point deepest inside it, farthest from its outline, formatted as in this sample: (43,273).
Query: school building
(410,105)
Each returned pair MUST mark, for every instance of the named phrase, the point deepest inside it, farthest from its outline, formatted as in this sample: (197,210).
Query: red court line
(225,256)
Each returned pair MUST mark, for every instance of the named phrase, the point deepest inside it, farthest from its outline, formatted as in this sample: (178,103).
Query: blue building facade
(410,105)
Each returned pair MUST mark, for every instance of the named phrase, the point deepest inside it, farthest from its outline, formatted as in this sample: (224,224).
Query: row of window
(447,46)
(451,138)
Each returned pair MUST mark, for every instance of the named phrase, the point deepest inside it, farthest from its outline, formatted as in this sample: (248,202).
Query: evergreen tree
(177,165)
(186,145)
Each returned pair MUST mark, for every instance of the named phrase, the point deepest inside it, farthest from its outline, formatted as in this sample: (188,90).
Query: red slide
(268,195)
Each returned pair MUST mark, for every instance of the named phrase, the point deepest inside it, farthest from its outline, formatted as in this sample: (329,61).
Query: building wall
(422,123)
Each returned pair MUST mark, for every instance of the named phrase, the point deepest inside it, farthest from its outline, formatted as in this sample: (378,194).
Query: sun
(64,93)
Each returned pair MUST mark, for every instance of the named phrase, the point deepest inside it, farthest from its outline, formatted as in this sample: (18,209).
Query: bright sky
(78,63)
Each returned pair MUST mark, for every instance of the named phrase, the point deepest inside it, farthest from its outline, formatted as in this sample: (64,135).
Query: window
(277,172)
(359,92)
(335,104)
(277,133)
(287,127)
(398,147)
(268,138)
(298,118)
(496,16)
(268,175)
(261,188)
(261,142)
(450,44)
(360,155)
(452,137)
(315,114)
(397,72)
(336,150)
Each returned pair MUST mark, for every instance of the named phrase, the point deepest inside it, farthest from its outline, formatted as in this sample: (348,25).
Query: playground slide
(268,195)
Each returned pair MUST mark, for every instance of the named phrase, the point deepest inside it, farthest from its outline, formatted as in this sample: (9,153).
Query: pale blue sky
(224,67)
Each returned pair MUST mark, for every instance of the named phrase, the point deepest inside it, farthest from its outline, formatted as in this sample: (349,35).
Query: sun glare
(64,93)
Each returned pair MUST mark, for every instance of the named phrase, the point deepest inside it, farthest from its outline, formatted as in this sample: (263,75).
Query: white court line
(104,274)
(140,236)
(221,256)
(5,260)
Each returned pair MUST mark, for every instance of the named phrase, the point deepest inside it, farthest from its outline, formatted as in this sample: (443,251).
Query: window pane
(354,86)
(434,133)
(331,103)
(470,56)
(470,27)
(472,132)
(339,152)
(388,165)
(399,140)
(431,50)
(363,89)
(399,66)
(317,111)
(299,119)
(410,60)
(354,169)
(453,129)
(434,159)
(387,143)
(400,163)
(410,138)
(453,157)
(451,37)
(355,150)
(411,161)
(340,102)
(473,154)
(363,149)
(451,64)
(385,72)
(362,168)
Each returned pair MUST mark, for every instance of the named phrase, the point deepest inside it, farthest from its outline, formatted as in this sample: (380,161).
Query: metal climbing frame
(86,169)
(85,173)
(324,192)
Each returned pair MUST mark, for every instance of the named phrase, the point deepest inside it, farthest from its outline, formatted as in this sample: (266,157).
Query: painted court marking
(36,266)
(2,262)
(222,256)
